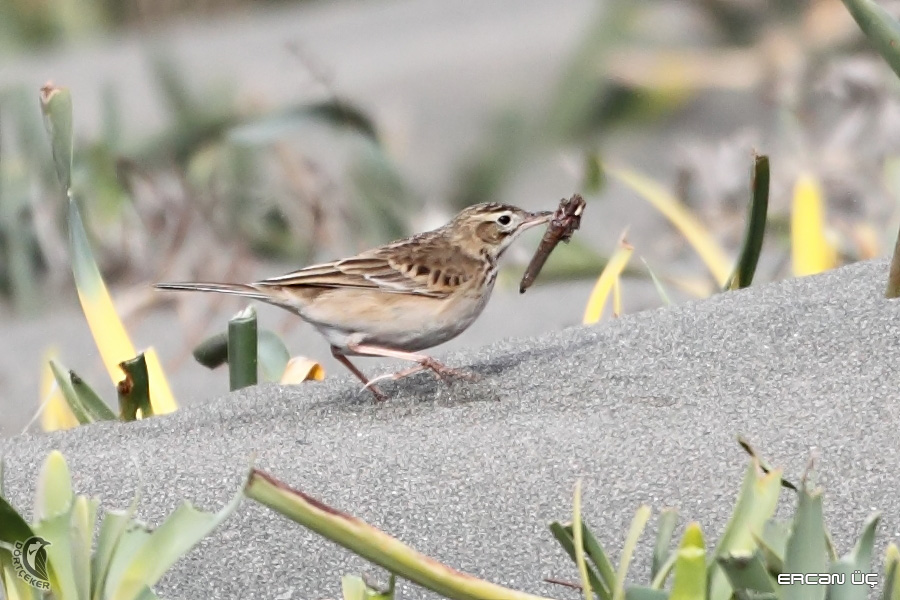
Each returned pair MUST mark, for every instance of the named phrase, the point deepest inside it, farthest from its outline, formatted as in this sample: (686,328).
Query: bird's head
(491,228)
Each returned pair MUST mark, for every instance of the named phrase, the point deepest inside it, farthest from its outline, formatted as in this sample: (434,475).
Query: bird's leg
(440,370)
(368,385)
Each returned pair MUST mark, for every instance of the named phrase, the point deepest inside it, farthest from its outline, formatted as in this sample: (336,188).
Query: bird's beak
(536,218)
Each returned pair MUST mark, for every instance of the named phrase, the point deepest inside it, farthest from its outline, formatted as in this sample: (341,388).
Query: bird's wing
(420,266)
(362,272)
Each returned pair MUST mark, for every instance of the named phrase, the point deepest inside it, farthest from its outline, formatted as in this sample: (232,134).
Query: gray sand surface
(645,409)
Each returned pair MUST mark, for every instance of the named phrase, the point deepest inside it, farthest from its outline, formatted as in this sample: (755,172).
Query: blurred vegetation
(218,183)
(223,181)
(30,24)
(66,399)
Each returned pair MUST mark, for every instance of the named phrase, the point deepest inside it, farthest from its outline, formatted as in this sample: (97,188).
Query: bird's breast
(398,321)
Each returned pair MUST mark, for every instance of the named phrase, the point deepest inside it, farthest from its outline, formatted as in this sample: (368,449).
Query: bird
(398,299)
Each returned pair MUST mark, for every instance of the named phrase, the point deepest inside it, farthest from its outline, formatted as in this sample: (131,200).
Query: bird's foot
(443,372)
(440,370)
(376,391)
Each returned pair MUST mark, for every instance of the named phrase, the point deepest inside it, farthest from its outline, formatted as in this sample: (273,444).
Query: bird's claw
(376,391)
(441,371)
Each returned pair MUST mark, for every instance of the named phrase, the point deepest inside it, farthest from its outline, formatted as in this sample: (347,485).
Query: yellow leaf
(56,414)
(300,369)
(115,347)
(109,333)
(617,297)
(810,250)
(680,216)
(161,398)
(606,281)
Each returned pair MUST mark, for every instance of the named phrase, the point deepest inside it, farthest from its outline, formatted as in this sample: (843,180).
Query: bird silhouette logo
(30,559)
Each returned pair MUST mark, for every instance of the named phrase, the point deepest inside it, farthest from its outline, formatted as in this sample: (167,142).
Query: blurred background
(234,140)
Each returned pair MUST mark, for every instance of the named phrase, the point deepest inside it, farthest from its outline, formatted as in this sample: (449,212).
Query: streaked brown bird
(395,300)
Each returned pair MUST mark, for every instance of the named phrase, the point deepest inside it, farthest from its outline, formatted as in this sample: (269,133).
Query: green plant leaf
(772,544)
(659,581)
(64,381)
(112,530)
(243,342)
(756,226)
(806,548)
(273,355)
(53,495)
(563,535)
(92,403)
(56,530)
(755,505)
(134,390)
(15,587)
(859,561)
(880,27)
(577,532)
(53,501)
(180,532)
(83,521)
(14,529)
(147,594)
(601,561)
(634,533)
(748,576)
(354,588)
(56,105)
(891,589)
(667,521)
(373,544)
(133,538)
(763,464)
(645,593)
(660,288)
(690,567)
(212,352)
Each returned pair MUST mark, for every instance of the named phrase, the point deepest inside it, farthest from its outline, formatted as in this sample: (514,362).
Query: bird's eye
(504,219)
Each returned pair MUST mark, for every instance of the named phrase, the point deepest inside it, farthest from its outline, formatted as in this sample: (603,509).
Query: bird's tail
(236,289)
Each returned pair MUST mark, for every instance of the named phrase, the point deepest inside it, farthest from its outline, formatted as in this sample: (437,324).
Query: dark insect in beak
(563,224)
